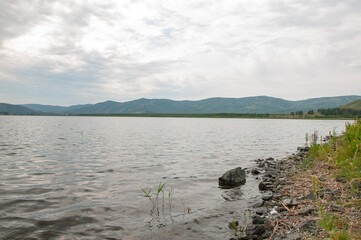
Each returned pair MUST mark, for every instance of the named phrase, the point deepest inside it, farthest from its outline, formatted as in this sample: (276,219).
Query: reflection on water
(81,177)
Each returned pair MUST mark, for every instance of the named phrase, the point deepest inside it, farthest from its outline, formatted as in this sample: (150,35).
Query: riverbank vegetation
(343,112)
(330,113)
(338,165)
(293,115)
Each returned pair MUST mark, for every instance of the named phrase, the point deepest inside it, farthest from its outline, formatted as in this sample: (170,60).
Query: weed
(147,195)
(342,151)
(235,227)
(159,202)
(170,195)
(343,154)
(240,228)
(185,209)
(155,199)
(335,225)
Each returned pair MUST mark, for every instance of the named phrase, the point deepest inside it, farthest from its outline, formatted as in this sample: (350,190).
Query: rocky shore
(288,208)
(278,215)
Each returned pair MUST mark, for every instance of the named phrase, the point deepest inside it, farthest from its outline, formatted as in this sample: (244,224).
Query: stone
(258,220)
(305,210)
(267,179)
(303,149)
(261,211)
(255,171)
(270,174)
(269,204)
(232,178)
(259,231)
(255,231)
(311,196)
(258,204)
(277,196)
(294,236)
(337,208)
(282,181)
(287,202)
(232,194)
(308,226)
(264,185)
(281,209)
(294,202)
(267,196)
(261,164)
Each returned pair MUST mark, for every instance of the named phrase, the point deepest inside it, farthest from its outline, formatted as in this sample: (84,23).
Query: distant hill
(16,110)
(325,102)
(355,105)
(258,104)
(51,108)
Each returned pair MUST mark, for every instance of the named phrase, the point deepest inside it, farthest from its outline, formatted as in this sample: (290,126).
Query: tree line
(344,112)
(339,112)
(300,113)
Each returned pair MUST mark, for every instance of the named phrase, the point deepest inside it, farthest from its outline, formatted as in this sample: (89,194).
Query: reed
(159,201)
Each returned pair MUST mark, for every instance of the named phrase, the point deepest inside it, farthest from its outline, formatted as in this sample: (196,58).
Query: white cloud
(123,50)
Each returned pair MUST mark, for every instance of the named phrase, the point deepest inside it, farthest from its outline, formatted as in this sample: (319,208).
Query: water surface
(81,177)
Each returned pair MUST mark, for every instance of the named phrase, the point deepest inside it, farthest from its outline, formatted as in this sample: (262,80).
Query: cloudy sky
(72,51)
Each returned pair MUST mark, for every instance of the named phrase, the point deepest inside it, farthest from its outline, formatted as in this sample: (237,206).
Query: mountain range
(258,104)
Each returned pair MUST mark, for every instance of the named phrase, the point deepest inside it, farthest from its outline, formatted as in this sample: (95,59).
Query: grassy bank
(342,152)
(336,166)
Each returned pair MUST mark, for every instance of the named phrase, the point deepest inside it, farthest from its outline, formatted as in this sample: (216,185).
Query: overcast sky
(72,51)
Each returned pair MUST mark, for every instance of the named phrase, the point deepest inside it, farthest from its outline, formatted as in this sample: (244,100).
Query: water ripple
(81,177)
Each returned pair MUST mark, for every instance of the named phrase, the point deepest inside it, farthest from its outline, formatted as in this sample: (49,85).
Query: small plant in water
(147,195)
(235,227)
(240,227)
(159,202)
(155,200)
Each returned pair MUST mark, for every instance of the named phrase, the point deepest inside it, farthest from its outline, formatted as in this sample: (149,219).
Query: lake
(82,177)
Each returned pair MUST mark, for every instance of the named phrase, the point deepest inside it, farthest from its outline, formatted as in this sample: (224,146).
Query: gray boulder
(232,178)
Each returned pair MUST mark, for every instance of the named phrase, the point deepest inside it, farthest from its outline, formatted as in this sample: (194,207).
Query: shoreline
(211,116)
(259,218)
(298,199)
(285,209)
(281,215)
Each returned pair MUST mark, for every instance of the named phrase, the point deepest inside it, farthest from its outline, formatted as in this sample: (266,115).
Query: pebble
(337,208)
(267,196)
(305,210)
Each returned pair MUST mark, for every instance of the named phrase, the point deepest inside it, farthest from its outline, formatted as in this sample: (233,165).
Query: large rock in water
(232,178)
